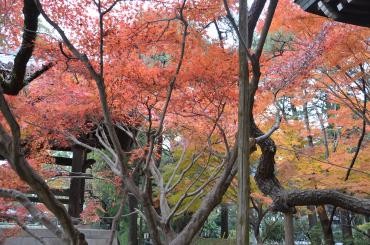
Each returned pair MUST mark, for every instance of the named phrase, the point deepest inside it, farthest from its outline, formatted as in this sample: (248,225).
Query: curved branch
(26,173)
(17,82)
(321,197)
(116,220)
(271,130)
(285,201)
(24,228)
(363,132)
(36,214)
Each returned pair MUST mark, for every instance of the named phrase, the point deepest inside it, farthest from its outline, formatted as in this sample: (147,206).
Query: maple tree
(152,72)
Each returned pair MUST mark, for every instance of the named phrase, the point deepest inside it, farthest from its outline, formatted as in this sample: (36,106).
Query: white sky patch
(3,162)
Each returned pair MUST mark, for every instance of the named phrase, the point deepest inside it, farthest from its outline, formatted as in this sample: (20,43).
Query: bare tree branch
(116,219)
(266,27)
(27,174)
(36,214)
(271,130)
(363,132)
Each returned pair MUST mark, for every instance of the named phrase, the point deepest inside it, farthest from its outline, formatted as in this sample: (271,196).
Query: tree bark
(132,230)
(312,219)
(288,229)
(307,124)
(325,224)
(224,221)
(16,81)
(324,134)
(346,226)
(286,200)
(243,130)
(312,223)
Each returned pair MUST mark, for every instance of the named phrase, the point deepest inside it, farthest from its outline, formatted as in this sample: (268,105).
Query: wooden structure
(76,191)
(356,12)
(79,164)
(74,196)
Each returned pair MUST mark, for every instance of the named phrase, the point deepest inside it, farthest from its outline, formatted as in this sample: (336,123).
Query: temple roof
(356,12)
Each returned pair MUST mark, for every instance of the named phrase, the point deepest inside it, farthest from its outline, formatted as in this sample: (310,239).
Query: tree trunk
(243,129)
(314,235)
(244,120)
(224,221)
(140,238)
(345,221)
(312,219)
(307,124)
(324,134)
(132,231)
(288,229)
(325,224)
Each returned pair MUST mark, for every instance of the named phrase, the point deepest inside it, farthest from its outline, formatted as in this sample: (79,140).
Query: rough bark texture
(325,224)
(284,200)
(224,221)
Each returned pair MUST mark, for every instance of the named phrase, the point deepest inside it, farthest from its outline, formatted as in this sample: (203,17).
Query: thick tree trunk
(288,229)
(132,230)
(224,221)
(325,224)
(345,221)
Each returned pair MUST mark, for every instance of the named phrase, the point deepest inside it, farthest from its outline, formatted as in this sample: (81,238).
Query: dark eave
(355,12)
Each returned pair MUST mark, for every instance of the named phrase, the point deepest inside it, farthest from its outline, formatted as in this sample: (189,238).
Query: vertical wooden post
(133,229)
(288,229)
(243,129)
(76,190)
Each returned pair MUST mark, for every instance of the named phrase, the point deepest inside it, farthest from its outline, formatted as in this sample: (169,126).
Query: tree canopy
(168,75)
